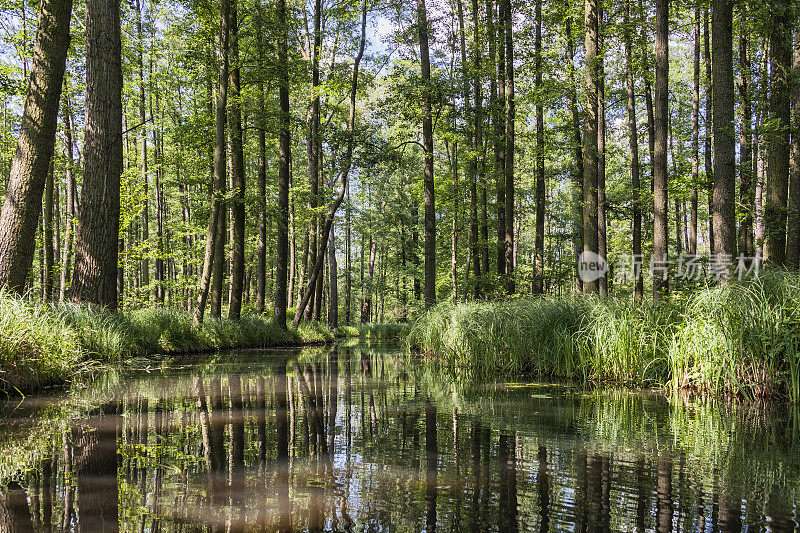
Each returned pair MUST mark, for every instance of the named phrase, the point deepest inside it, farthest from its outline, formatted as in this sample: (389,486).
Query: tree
(633,137)
(724,141)
(695,133)
(95,275)
(510,139)
(213,244)
(746,189)
(778,135)
(661,117)
(237,170)
(538,286)
(427,141)
(31,161)
(590,138)
(793,237)
(284,165)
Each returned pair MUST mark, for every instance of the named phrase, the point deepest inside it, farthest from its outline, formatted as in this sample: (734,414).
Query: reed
(741,339)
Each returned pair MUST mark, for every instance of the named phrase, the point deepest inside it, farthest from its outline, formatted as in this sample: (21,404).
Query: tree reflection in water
(331,439)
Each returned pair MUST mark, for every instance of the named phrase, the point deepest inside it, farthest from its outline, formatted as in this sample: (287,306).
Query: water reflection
(358,439)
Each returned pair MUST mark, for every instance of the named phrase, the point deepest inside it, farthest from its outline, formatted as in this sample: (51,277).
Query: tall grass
(384,331)
(742,338)
(43,344)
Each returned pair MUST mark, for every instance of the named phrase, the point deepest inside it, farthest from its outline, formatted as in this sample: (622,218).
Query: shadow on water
(357,438)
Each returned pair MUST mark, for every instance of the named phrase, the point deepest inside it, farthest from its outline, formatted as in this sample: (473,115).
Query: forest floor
(741,339)
(53,344)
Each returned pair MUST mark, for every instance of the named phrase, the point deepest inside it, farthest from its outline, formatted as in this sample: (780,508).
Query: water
(357,439)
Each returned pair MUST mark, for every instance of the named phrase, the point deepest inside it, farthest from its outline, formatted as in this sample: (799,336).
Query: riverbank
(51,344)
(742,339)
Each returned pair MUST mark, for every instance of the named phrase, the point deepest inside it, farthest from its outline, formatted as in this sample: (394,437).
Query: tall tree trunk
(95,276)
(47,286)
(472,121)
(510,140)
(709,165)
(71,201)
(602,244)
(695,133)
(661,116)
(31,161)
(724,140)
(333,303)
(480,163)
(427,139)
(284,163)
(746,190)
(577,178)
(145,264)
(538,280)
(212,245)
(348,280)
(366,302)
(499,122)
(237,171)
(778,137)
(221,240)
(261,267)
(760,150)
(158,162)
(633,138)
(471,171)
(314,148)
(590,138)
(793,236)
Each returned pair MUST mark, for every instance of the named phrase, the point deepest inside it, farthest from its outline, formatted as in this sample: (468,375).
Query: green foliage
(52,344)
(384,331)
(742,339)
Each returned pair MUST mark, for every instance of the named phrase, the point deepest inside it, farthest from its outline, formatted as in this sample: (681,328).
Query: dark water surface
(355,438)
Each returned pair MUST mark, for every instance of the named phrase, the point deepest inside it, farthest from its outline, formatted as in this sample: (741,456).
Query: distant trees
(214,214)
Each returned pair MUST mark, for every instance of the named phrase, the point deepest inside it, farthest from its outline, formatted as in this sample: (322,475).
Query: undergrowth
(742,338)
(47,344)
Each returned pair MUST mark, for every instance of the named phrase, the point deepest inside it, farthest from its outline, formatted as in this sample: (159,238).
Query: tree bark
(538,280)
(31,161)
(95,275)
(590,138)
(499,122)
(633,138)
(793,236)
(746,190)
(695,134)
(284,163)
(602,245)
(709,164)
(237,171)
(724,139)
(71,200)
(778,136)
(261,268)
(577,178)
(210,260)
(145,216)
(427,140)
(333,303)
(660,116)
(510,139)
(47,286)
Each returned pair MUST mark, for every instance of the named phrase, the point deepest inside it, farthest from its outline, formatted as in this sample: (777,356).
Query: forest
(354,162)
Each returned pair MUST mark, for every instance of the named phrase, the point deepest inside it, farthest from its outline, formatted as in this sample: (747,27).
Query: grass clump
(384,331)
(37,347)
(741,339)
(49,344)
